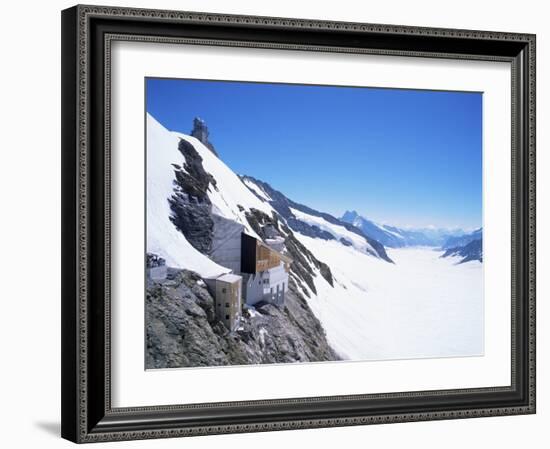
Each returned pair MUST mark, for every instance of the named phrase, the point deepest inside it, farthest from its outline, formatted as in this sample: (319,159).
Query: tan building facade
(227,293)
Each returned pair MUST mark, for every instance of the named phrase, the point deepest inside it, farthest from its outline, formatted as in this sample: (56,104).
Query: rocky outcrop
(308,230)
(154,261)
(182,330)
(190,205)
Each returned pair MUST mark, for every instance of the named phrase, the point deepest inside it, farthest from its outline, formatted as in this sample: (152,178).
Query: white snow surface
(421,306)
(231,191)
(337,231)
(257,189)
(163,238)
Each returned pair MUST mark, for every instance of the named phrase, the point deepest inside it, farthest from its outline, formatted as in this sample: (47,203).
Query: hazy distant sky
(403,157)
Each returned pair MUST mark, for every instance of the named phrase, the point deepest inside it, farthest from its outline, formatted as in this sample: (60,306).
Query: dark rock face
(282,205)
(345,242)
(469,252)
(182,330)
(190,205)
(309,230)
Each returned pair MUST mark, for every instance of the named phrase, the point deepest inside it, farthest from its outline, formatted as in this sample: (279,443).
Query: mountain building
(265,272)
(200,132)
(262,267)
(227,292)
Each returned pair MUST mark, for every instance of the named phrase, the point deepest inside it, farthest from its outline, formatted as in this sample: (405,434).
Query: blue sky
(403,157)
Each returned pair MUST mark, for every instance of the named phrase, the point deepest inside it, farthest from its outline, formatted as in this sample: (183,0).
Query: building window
(226,304)
(224,290)
(226,317)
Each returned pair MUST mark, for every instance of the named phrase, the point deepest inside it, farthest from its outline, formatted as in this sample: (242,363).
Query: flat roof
(229,277)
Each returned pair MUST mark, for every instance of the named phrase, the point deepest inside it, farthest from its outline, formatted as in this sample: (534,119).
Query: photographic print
(290,223)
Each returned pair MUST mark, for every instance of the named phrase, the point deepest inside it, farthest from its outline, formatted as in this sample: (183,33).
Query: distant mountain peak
(313,223)
(349,216)
(397,237)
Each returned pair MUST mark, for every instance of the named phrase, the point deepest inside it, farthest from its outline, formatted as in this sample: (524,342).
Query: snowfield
(421,306)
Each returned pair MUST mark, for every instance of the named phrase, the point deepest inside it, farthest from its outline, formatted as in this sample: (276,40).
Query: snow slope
(421,306)
(163,238)
(230,192)
(257,189)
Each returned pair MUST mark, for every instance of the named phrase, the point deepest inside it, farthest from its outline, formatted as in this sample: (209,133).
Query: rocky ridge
(182,330)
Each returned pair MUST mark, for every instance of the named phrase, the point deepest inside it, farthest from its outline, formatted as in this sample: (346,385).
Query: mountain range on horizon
(399,237)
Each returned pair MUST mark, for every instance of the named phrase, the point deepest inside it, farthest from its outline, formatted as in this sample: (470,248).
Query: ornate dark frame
(87,33)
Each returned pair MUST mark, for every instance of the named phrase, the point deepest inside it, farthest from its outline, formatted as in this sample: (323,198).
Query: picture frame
(87,411)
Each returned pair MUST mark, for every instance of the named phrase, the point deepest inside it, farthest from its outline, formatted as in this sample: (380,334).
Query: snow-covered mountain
(468,247)
(346,296)
(462,240)
(312,223)
(396,237)
(390,238)
(467,253)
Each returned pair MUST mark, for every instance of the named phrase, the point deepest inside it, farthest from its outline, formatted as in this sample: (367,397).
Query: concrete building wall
(226,243)
(253,288)
(269,286)
(211,285)
(277,285)
(228,303)
(264,276)
(227,299)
